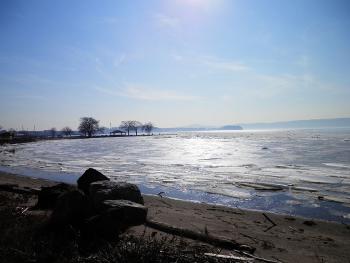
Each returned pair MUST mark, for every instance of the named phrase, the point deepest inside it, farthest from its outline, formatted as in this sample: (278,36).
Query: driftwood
(236,258)
(209,239)
(270,220)
(256,257)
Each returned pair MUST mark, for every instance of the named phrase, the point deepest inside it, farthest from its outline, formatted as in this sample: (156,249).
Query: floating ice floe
(301,188)
(262,186)
(337,199)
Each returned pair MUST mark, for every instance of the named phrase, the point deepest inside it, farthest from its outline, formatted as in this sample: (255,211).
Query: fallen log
(206,238)
(257,258)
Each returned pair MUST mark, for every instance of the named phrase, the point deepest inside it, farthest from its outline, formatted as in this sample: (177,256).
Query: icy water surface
(304,172)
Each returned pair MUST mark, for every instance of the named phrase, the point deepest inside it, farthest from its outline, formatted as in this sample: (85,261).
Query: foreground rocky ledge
(275,237)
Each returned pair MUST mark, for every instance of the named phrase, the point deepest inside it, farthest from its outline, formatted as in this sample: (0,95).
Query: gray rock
(47,197)
(107,190)
(90,175)
(127,212)
(116,217)
(71,209)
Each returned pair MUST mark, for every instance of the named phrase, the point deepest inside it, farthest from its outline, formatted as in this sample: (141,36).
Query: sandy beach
(275,237)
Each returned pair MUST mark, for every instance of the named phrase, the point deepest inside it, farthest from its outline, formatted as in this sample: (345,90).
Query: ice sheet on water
(299,162)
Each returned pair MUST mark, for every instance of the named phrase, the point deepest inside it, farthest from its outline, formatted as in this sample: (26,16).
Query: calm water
(305,172)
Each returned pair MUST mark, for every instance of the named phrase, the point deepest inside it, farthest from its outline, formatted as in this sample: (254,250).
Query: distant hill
(297,124)
(314,123)
(231,127)
(198,128)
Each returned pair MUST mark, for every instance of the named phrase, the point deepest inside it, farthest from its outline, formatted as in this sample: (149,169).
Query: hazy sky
(173,62)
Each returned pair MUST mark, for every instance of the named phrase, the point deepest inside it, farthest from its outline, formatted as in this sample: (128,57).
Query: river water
(298,172)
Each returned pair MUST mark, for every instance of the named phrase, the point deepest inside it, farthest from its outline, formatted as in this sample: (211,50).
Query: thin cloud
(140,92)
(224,65)
(177,57)
(212,62)
(163,20)
(108,91)
(120,60)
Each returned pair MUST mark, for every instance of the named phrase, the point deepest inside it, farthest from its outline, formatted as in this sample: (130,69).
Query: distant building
(117,132)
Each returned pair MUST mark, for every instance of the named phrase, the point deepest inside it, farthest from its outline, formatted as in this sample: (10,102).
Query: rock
(117,216)
(127,212)
(71,209)
(99,226)
(47,196)
(90,175)
(107,190)
(309,223)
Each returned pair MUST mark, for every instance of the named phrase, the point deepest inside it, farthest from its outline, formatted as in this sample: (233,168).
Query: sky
(173,62)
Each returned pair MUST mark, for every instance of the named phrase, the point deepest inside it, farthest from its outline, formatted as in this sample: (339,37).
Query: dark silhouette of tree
(88,126)
(13,132)
(53,132)
(67,131)
(126,126)
(130,125)
(137,125)
(148,127)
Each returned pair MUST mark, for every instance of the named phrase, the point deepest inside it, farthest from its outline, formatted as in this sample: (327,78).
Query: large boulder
(108,190)
(47,197)
(116,217)
(128,213)
(71,209)
(90,175)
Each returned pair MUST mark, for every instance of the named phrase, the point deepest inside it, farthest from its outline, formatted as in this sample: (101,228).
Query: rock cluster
(98,207)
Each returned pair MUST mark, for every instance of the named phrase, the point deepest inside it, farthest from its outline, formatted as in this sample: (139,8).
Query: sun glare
(200,4)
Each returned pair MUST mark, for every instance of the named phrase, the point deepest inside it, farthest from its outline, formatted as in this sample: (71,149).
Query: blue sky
(173,62)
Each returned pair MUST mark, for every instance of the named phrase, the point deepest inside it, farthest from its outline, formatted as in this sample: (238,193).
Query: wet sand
(275,237)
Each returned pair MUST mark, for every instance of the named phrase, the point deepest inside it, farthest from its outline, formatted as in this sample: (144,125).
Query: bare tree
(148,127)
(126,126)
(88,126)
(130,125)
(67,131)
(53,132)
(137,125)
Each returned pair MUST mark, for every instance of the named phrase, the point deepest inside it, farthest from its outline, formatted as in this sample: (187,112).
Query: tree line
(90,126)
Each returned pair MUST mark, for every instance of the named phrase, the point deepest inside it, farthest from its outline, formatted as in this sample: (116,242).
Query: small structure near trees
(116,132)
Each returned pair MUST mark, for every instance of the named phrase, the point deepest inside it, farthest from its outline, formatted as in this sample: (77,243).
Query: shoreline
(291,238)
(280,203)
